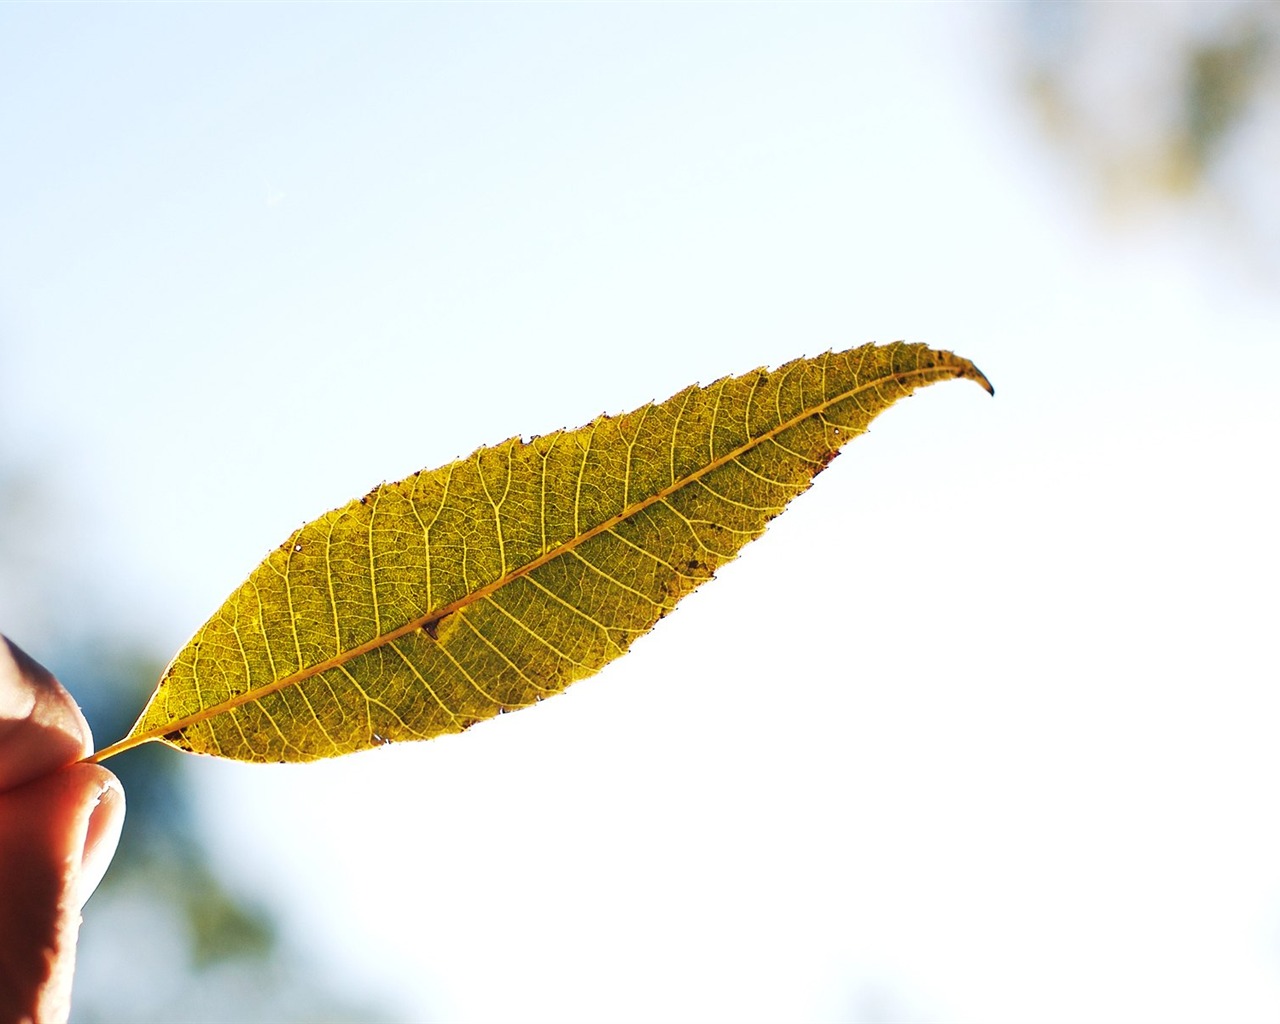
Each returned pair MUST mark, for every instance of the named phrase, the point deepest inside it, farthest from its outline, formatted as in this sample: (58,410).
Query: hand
(59,825)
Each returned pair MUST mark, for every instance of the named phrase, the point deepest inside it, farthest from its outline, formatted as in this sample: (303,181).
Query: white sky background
(982,729)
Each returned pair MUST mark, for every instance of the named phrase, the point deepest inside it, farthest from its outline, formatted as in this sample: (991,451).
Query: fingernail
(101,837)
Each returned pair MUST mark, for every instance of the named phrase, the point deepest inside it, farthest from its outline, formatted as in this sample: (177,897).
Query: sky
(981,729)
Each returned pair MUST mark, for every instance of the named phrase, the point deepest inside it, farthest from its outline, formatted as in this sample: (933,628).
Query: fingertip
(41,726)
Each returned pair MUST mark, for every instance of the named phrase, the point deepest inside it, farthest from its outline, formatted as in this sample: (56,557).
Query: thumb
(59,824)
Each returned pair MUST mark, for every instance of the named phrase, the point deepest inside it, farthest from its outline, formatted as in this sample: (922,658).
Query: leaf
(497,580)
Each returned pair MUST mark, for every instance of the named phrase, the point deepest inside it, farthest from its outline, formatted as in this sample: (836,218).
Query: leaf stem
(129,742)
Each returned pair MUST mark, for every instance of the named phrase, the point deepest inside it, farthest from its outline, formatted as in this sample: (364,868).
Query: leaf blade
(487,584)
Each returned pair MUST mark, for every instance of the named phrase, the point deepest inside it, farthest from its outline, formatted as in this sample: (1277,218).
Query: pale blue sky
(983,729)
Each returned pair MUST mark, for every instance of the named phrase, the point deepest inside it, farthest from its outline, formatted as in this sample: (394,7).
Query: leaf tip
(957,366)
(976,375)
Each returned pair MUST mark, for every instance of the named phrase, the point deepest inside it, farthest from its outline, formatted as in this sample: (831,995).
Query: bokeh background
(983,729)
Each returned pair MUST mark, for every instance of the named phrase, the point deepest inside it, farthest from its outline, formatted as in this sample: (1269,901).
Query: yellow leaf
(493,582)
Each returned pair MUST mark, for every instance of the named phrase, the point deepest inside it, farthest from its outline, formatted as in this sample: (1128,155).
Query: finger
(46,827)
(41,728)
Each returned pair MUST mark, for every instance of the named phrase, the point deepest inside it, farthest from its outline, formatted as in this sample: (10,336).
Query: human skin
(59,824)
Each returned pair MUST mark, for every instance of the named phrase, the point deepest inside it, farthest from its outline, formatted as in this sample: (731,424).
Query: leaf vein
(466,621)
(414,669)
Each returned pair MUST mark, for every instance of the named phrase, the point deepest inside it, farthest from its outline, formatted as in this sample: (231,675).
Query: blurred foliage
(1222,78)
(165,937)
(1165,105)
